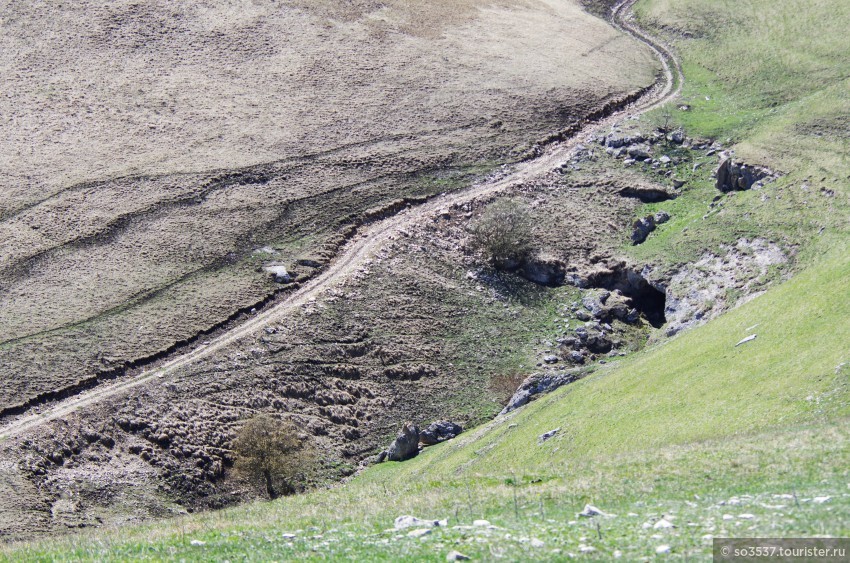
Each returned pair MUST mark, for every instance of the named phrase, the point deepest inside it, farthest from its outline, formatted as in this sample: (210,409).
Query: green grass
(694,428)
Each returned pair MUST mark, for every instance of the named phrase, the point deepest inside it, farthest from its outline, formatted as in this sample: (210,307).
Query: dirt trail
(356,253)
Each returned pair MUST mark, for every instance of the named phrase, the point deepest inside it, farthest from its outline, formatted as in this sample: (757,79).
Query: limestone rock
(641,229)
(406,444)
(439,431)
(539,384)
(733,176)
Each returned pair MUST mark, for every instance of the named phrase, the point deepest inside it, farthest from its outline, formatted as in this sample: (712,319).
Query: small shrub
(269,451)
(504,234)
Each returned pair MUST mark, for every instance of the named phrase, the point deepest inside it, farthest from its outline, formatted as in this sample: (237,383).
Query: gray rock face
(641,229)
(439,431)
(545,271)
(406,444)
(538,384)
(733,176)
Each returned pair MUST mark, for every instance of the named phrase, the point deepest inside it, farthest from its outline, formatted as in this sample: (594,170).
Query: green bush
(504,234)
(269,451)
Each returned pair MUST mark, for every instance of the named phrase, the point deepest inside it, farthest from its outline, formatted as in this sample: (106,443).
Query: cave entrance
(648,300)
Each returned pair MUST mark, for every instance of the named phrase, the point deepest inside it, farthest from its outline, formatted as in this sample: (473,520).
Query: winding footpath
(364,246)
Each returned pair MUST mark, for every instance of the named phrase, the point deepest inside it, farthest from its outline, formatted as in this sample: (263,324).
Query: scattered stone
(664,159)
(439,431)
(590,511)
(677,136)
(746,516)
(677,184)
(551,359)
(419,532)
(406,444)
(663,524)
(661,217)
(456,556)
(481,523)
(584,548)
(750,338)
(197,542)
(629,162)
(536,543)
(583,315)
(403,522)
(546,436)
(728,517)
(821,500)
(662,549)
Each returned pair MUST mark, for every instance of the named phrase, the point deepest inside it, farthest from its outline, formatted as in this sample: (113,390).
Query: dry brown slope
(117,239)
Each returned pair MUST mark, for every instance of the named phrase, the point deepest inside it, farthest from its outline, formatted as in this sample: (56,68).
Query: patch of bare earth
(150,150)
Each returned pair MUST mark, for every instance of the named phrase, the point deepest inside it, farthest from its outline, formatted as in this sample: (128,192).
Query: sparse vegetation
(269,451)
(504,234)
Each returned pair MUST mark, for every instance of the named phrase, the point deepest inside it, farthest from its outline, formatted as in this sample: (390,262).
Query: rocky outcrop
(409,439)
(544,270)
(641,229)
(538,384)
(439,431)
(406,444)
(734,176)
(647,194)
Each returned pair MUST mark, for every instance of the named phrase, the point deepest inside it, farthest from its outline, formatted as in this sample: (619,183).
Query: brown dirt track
(118,245)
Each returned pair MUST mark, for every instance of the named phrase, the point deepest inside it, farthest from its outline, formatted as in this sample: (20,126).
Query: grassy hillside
(719,439)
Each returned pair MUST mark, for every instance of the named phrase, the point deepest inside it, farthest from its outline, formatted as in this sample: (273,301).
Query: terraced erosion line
(361,247)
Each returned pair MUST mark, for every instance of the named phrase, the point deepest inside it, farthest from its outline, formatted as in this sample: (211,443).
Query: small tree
(664,122)
(269,451)
(504,233)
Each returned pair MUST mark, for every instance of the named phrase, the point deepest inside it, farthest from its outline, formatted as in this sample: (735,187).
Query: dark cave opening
(643,296)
